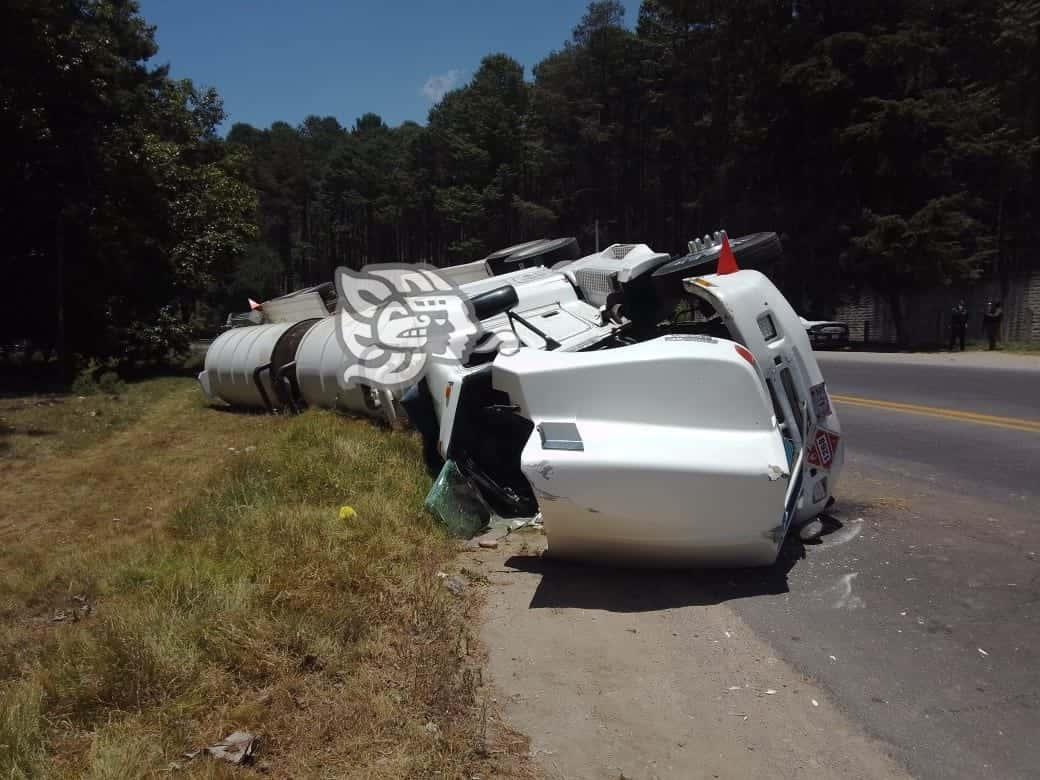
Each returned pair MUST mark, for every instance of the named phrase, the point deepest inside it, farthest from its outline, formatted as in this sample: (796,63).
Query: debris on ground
(239,748)
(488,543)
(74,614)
(473,576)
(456,585)
(347,513)
(456,503)
(811,531)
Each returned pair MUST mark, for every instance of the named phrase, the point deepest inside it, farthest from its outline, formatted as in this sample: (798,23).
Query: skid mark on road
(846,599)
(849,531)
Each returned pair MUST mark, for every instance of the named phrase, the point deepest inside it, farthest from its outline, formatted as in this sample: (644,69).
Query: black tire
(501,254)
(754,251)
(546,252)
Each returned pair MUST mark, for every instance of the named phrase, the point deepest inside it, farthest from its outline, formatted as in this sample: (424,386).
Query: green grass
(40,426)
(251,606)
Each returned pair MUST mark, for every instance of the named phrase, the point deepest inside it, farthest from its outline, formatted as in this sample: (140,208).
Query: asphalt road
(920,609)
(999,461)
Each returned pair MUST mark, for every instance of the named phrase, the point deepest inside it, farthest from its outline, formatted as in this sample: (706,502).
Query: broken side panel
(663,452)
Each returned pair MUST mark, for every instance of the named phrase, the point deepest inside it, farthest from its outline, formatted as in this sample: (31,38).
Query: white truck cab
(694,443)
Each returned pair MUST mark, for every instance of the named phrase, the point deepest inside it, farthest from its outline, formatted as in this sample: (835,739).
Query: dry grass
(229,595)
(41,426)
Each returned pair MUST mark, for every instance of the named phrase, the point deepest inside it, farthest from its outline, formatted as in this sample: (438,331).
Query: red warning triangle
(727,261)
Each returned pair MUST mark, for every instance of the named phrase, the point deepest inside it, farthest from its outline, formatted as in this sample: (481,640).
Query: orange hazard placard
(822,448)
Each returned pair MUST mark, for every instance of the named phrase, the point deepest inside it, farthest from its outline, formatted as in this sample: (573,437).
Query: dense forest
(891,144)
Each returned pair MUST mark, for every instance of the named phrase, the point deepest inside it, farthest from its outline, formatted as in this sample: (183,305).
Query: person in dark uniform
(991,322)
(958,324)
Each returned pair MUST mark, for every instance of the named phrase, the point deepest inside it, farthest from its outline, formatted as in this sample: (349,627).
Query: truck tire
(501,254)
(754,251)
(546,252)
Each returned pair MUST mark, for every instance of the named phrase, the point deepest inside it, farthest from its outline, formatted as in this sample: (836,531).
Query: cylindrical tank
(320,362)
(235,365)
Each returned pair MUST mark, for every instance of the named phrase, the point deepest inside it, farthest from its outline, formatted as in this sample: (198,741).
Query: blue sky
(279,60)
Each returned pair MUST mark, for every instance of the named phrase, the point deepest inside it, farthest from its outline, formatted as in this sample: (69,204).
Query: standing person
(991,322)
(958,324)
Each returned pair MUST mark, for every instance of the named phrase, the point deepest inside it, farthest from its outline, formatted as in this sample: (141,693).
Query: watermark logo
(394,319)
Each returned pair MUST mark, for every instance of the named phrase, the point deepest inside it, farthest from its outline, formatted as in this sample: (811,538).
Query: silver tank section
(320,362)
(237,369)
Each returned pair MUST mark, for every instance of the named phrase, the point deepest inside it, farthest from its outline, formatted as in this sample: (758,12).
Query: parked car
(826,334)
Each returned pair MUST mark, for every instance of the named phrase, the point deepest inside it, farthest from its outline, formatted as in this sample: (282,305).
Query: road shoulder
(981,359)
(647,675)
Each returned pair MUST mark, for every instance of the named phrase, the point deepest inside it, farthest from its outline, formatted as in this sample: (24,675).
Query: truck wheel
(754,251)
(548,253)
(501,254)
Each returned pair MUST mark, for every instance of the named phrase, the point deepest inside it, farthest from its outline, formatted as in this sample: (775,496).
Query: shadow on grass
(19,379)
(8,431)
(35,433)
(613,589)
(239,411)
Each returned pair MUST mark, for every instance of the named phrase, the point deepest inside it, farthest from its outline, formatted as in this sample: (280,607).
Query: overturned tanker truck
(293,359)
(659,410)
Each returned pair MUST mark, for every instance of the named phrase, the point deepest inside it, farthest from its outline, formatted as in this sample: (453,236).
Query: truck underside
(677,433)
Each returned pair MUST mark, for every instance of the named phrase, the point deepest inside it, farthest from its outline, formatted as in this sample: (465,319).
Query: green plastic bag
(456,503)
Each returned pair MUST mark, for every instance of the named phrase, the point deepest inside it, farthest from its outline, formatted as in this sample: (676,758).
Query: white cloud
(438,85)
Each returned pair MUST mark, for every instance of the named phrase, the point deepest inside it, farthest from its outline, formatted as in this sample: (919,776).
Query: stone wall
(928,313)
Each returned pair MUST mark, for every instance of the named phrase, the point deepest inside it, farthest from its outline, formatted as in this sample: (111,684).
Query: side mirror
(494,302)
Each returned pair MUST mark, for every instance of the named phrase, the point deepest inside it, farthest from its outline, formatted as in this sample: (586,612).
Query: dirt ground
(615,673)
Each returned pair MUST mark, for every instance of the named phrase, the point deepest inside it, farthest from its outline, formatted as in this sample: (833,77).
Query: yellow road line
(1011,423)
